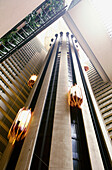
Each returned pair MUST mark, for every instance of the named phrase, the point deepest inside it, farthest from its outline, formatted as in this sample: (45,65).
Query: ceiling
(13,11)
(83,21)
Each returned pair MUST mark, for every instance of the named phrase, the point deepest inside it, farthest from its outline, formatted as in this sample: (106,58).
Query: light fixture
(75,96)
(32,80)
(20,125)
(86,68)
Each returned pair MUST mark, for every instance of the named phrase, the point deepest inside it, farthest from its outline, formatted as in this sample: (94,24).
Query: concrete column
(100,118)
(61,147)
(94,152)
(9,148)
(26,154)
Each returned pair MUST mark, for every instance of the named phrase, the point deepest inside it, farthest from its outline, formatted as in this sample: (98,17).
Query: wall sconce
(32,80)
(86,68)
(20,125)
(75,96)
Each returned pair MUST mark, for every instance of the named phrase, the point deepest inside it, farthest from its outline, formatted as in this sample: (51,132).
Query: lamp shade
(75,96)
(32,80)
(20,125)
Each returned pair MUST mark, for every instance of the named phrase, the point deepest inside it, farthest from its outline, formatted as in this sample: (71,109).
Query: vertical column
(26,155)
(79,145)
(94,152)
(61,148)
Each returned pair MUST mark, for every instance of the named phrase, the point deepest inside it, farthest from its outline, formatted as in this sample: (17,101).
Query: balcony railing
(30,26)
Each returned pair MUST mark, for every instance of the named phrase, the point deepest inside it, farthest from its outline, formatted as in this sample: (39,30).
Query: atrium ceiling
(13,11)
(92,35)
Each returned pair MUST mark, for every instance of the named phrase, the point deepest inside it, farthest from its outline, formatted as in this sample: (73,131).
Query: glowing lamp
(75,96)
(32,80)
(86,68)
(20,125)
